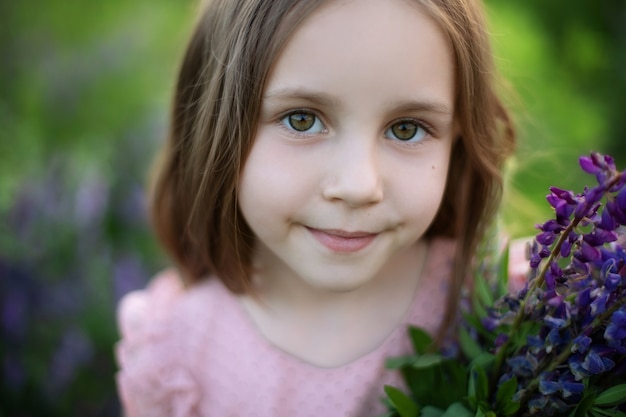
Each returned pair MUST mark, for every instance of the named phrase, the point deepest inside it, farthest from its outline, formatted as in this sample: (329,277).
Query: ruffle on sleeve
(153,380)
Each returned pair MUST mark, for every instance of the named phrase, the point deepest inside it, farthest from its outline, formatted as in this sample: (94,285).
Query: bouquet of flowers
(557,347)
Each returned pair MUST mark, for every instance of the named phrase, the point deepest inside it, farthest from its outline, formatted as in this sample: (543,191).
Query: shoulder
(159,327)
(137,308)
(166,299)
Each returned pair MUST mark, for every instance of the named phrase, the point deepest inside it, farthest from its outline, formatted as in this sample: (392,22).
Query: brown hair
(215,114)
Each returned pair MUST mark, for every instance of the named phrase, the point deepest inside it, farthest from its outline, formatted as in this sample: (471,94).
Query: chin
(338,285)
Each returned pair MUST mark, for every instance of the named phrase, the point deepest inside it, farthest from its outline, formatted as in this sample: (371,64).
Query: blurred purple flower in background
(76,248)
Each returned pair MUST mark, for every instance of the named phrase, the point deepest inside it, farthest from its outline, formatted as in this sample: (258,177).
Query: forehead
(358,42)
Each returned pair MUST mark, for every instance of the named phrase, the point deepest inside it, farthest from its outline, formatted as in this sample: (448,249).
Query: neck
(328,327)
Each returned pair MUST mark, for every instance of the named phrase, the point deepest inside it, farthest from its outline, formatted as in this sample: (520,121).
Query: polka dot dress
(195,352)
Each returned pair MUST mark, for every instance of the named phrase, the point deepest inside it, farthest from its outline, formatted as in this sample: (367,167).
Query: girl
(330,168)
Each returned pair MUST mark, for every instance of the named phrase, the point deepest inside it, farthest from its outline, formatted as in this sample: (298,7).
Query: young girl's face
(349,164)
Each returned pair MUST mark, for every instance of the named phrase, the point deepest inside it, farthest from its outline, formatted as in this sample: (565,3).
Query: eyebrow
(323,99)
(423,106)
(320,99)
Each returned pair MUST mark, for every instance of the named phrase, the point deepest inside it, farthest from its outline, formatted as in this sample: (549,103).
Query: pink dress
(195,352)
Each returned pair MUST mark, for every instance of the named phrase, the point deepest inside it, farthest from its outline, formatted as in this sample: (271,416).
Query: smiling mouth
(341,241)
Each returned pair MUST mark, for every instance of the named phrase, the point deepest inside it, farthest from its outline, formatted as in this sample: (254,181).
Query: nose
(354,175)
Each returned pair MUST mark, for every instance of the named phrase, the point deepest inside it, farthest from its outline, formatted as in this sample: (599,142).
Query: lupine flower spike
(557,347)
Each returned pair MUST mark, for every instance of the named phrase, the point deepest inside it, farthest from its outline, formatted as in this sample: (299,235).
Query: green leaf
(403,404)
(600,412)
(605,412)
(483,291)
(614,413)
(583,406)
(400,361)
(612,396)
(478,309)
(478,386)
(474,320)
(421,340)
(457,410)
(469,346)
(484,360)
(430,411)
(505,405)
(428,360)
(503,273)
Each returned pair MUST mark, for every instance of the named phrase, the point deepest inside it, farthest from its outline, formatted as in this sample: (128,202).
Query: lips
(342,241)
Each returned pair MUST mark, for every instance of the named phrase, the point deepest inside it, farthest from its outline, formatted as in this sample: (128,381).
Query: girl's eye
(303,122)
(406,131)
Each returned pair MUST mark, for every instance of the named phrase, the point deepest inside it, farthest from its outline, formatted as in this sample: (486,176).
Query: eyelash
(295,132)
(419,123)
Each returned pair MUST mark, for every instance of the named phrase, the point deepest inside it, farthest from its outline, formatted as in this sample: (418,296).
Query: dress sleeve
(153,380)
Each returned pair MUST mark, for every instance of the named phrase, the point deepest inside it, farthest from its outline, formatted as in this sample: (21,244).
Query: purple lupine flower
(569,387)
(607,221)
(535,260)
(576,294)
(589,252)
(581,344)
(575,366)
(580,267)
(490,323)
(598,165)
(537,404)
(598,305)
(500,340)
(611,279)
(566,248)
(544,252)
(550,280)
(614,210)
(593,195)
(596,364)
(74,350)
(547,385)
(523,365)
(546,238)
(621,200)
(91,200)
(615,333)
(588,165)
(551,226)
(128,275)
(599,237)
(573,309)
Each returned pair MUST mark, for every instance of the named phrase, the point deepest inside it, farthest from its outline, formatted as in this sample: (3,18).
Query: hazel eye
(406,131)
(303,122)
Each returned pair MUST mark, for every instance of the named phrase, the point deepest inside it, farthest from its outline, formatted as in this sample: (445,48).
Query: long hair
(215,114)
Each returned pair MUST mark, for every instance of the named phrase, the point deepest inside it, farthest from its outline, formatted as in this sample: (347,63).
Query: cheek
(272,184)
(421,189)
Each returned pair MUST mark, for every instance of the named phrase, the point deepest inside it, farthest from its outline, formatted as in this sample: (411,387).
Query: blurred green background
(84,94)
